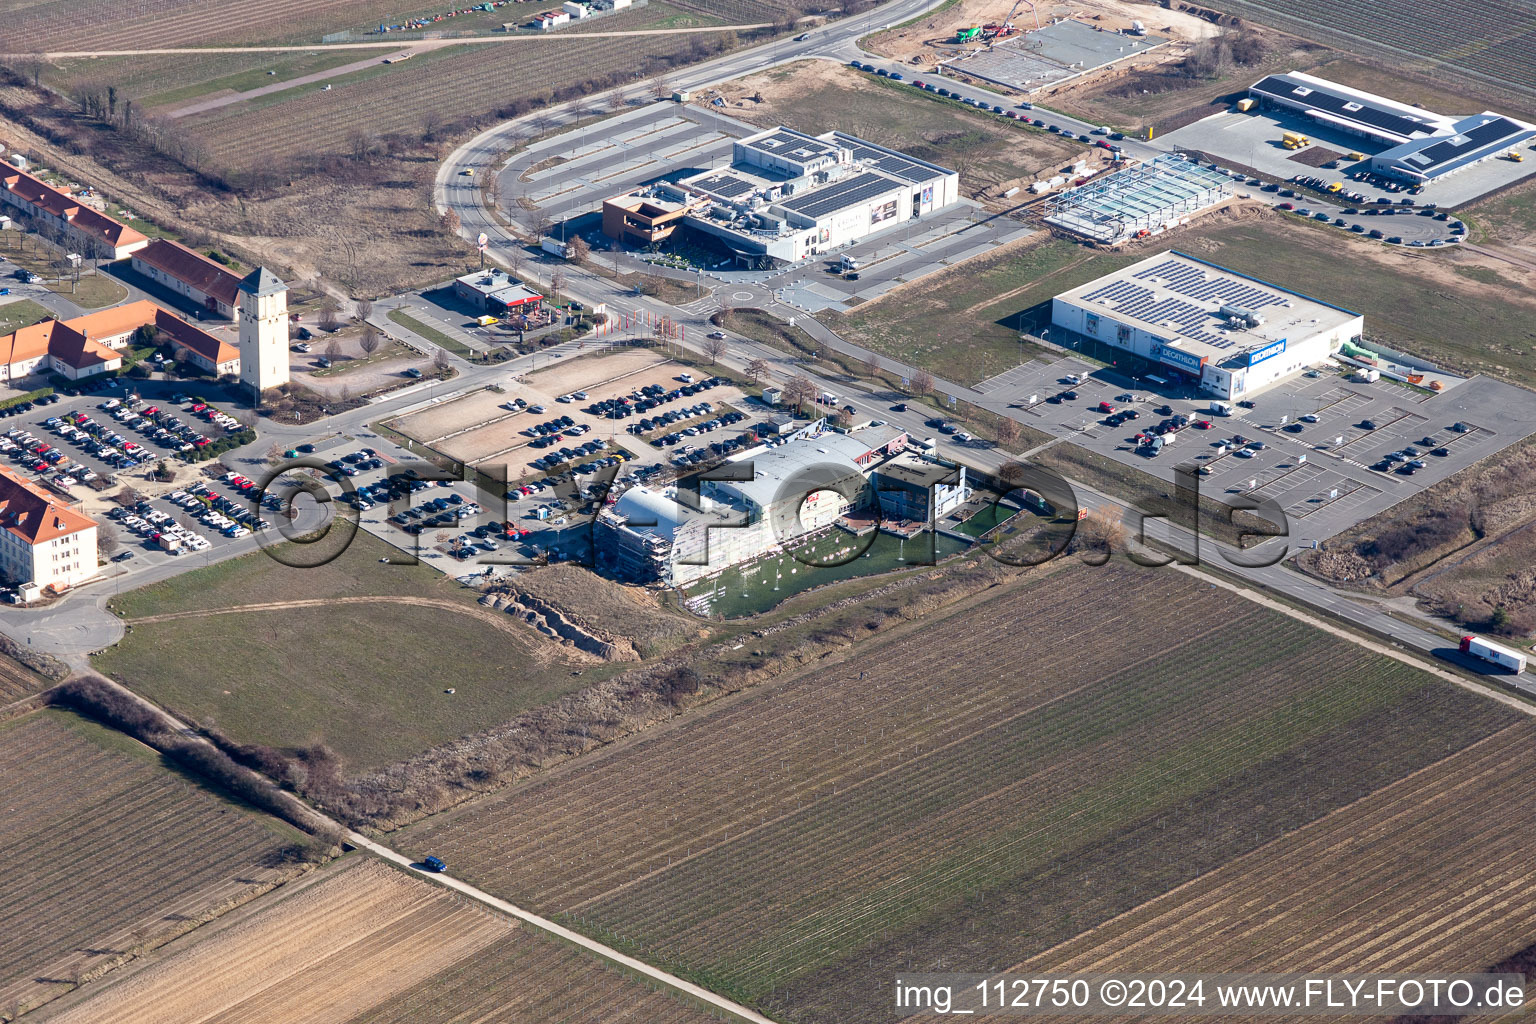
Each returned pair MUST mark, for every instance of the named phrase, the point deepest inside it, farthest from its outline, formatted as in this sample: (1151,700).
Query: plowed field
(372,945)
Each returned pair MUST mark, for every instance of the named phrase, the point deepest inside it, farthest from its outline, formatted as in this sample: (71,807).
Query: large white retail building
(1227,333)
(787,196)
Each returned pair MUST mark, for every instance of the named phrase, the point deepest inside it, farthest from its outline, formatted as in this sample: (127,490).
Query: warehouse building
(85,230)
(788,196)
(43,541)
(1420,144)
(1205,326)
(191,275)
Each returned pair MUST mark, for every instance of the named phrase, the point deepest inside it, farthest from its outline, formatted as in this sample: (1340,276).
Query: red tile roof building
(190,274)
(89,345)
(87,231)
(42,539)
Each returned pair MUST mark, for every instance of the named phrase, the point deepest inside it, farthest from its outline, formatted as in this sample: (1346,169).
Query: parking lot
(1335,449)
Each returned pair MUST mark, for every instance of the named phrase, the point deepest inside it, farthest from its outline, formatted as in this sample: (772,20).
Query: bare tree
(369,342)
(714,348)
(364,308)
(798,391)
(615,101)
(106,543)
(922,382)
(333,350)
(757,370)
(491,190)
(1009,432)
(440,360)
(329,320)
(577,249)
(660,87)
(871,365)
(1011,473)
(451,222)
(557,285)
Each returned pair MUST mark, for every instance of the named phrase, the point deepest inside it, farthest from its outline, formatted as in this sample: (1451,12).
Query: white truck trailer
(1504,657)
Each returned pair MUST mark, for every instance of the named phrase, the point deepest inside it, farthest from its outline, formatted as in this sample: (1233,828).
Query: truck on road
(1504,657)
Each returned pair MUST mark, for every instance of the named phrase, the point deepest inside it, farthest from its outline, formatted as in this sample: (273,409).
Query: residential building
(92,344)
(84,229)
(190,274)
(42,540)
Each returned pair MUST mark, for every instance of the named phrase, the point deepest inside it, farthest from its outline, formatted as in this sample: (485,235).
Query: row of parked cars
(22,408)
(157,527)
(41,456)
(724,419)
(568,453)
(669,417)
(652,396)
(353,463)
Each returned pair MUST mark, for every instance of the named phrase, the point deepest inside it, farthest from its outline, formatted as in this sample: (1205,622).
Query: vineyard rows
(741,12)
(16,681)
(1429,872)
(99,845)
(530,977)
(785,832)
(455,85)
(1494,40)
(138,24)
(336,948)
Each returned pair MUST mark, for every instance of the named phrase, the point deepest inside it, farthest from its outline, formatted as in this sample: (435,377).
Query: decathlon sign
(1187,361)
(1267,352)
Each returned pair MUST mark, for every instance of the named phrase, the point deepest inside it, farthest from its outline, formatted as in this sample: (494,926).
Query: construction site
(1029,46)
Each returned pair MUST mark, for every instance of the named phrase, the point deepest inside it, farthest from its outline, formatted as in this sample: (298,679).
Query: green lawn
(92,291)
(963,323)
(431,333)
(21,313)
(367,679)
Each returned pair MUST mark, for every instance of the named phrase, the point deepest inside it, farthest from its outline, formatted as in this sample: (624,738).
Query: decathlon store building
(1228,334)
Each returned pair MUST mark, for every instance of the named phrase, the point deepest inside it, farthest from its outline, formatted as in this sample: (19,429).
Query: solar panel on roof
(1348,108)
(839,194)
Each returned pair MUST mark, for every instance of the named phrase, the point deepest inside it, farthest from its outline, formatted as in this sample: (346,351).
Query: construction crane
(1022,3)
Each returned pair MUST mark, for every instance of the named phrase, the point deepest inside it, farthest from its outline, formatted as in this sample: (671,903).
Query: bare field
(817,96)
(107,850)
(795,846)
(371,945)
(335,949)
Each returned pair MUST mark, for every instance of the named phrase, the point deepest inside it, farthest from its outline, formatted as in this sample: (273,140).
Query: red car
(1106,407)
(1202,424)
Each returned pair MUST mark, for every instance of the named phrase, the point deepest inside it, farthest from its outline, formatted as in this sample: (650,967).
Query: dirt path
(575,938)
(414,45)
(496,620)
